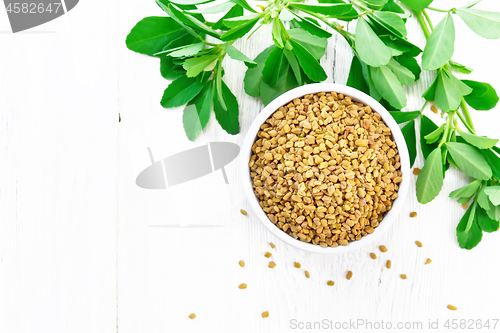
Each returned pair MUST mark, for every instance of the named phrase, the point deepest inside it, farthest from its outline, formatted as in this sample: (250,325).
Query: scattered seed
(243,286)
(434,109)
(428,261)
(416,171)
(465,205)
(242,263)
(272,264)
(413,214)
(419,244)
(330,283)
(244,212)
(265,314)
(267,254)
(373,255)
(296,265)
(349,275)
(192,316)
(308,275)
(403,276)
(272,245)
(388,264)
(383,248)
(451,307)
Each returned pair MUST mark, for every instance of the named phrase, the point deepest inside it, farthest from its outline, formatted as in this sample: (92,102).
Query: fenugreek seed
(343,242)
(416,171)
(465,205)
(349,275)
(243,286)
(413,214)
(272,264)
(308,275)
(242,263)
(265,314)
(419,244)
(267,254)
(383,248)
(272,245)
(388,264)
(403,276)
(428,261)
(296,265)
(244,212)
(434,109)
(330,283)
(373,255)
(451,307)
(192,316)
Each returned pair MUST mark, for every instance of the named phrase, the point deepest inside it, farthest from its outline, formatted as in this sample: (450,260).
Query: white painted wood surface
(77,250)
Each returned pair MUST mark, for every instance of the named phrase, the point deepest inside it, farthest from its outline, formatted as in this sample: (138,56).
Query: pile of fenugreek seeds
(325,169)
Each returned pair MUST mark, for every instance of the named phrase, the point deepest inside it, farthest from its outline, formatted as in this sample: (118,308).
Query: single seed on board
(308,275)
(465,205)
(419,244)
(244,212)
(265,314)
(272,245)
(296,265)
(349,275)
(272,264)
(413,214)
(383,248)
(434,109)
(267,254)
(373,255)
(330,283)
(388,264)
(428,261)
(192,316)
(416,171)
(242,263)
(451,307)
(243,286)
(403,276)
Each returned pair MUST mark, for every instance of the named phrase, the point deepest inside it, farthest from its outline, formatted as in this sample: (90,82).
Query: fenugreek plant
(191,52)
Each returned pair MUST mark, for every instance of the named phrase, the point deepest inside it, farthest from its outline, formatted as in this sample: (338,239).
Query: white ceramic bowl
(358,96)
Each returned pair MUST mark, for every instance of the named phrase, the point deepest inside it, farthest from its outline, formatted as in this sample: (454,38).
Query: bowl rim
(358,96)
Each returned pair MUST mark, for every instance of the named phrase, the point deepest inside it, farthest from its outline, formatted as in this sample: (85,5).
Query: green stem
(465,109)
(423,24)
(438,10)
(447,129)
(428,19)
(423,107)
(465,122)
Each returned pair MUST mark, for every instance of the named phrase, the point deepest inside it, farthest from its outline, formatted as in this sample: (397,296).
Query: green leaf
(484,202)
(403,116)
(483,95)
(391,22)
(493,161)
(440,45)
(236,54)
(253,76)
(376,3)
(279,33)
(430,179)
(313,29)
(193,22)
(493,193)
(401,45)
(427,126)
(485,24)
(461,68)
(236,11)
(417,5)
(447,93)
(239,20)
(151,34)
(286,15)
(315,45)
(466,191)
(169,70)
(239,31)
(355,78)
(286,82)
(480,142)
(485,222)
(190,2)
(269,74)
(195,66)
(369,47)
(244,4)
(309,64)
(329,10)
(468,232)
(391,6)
(351,15)
(388,86)
(404,75)
(469,160)
(494,213)
(411,63)
(411,139)
(294,64)
(434,135)
(227,117)
(186,51)
(219,8)
(497,149)
(181,90)
(197,112)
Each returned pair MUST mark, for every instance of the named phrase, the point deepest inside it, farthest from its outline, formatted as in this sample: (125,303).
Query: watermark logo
(25,15)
